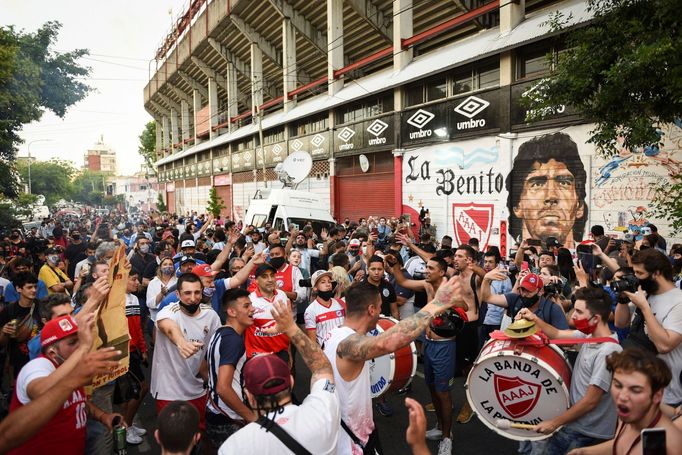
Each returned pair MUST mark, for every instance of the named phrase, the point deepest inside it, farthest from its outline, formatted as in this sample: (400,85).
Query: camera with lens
(305,283)
(553,288)
(627,283)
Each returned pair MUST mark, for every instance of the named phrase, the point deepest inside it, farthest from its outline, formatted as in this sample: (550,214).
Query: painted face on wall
(549,203)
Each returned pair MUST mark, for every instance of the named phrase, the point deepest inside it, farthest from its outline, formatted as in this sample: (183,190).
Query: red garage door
(170,201)
(362,194)
(225,192)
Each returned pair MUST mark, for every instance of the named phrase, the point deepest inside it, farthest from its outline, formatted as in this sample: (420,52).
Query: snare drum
(523,383)
(391,372)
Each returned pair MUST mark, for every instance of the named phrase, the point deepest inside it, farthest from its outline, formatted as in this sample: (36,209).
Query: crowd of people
(221,315)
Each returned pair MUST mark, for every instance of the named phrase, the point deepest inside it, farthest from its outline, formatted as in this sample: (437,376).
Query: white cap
(319,274)
(187,243)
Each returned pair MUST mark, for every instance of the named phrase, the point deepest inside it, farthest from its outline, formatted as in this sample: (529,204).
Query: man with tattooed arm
(349,349)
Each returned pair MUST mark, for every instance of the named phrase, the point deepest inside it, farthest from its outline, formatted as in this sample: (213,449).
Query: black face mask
(277,262)
(191,309)
(325,295)
(530,301)
(649,285)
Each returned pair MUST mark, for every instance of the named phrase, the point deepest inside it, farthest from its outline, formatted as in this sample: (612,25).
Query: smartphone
(534,242)
(586,257)
(653,441)
(375,231)
(524,266)
(403,231)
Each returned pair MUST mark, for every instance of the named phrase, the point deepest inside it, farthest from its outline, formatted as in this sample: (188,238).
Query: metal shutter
(225,192)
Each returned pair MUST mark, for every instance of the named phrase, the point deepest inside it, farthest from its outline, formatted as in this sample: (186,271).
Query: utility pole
(29,160)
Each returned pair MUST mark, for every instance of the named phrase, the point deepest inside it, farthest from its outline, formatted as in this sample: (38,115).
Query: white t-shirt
(37,368)
(324,319)
(175,378)
(354,397)
(153,289)
(667,309)
(314,424)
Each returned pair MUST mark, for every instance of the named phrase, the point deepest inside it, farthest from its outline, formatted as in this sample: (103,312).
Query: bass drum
(520,382)
(391,372)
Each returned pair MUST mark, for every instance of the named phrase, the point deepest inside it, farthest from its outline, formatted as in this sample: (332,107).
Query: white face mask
(144,249)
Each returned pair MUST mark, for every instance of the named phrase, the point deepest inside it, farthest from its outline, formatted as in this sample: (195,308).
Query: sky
(122,37)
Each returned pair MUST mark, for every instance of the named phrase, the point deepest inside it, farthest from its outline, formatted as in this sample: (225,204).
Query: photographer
(657,324)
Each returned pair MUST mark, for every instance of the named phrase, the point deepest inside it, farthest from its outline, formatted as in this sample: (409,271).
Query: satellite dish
(294,169)
(364,163)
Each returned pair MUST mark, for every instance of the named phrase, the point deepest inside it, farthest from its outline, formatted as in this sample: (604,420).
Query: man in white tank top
(349,348)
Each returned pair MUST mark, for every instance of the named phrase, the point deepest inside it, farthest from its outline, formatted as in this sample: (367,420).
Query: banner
(111,328)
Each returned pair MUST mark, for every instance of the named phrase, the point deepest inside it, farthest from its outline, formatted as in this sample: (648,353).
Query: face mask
(144,249)
(649,285)
(208,292)
(354,252)
(277,262)
(325,295)
(584,326)
(530,301)
(167,270)
(53,259)
(677,262)
(191,309)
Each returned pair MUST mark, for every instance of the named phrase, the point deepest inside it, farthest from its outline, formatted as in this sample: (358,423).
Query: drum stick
(507,424)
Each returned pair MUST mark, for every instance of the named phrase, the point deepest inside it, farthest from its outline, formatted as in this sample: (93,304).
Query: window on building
(311,125)
(425,91)
(483,75)
(272,136)
(367,108)
(534,61)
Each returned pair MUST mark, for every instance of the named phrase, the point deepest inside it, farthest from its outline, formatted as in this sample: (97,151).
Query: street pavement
(472,438)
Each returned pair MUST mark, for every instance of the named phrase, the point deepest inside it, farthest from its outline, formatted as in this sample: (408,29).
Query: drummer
(349,348)
(591,419)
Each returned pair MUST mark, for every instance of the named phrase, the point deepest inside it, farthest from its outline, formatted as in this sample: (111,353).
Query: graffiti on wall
(624,185)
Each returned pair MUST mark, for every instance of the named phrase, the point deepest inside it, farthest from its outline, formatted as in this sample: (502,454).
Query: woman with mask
(325,312)
(55,279)
(158,287)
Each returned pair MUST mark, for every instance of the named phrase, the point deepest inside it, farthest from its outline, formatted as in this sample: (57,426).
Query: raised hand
(449,294)
(188,348)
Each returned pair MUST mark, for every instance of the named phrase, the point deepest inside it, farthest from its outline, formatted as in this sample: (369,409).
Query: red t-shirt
(255,340)
(65,432)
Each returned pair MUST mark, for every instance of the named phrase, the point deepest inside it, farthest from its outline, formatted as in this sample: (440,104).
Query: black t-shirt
(387,296)
(18,349)
(75,253)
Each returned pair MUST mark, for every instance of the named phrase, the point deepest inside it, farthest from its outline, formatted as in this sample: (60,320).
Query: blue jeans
(566,439)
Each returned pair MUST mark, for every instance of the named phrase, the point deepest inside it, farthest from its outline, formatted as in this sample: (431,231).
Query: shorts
(467,346)
(135,367)
(220,427)
(198,403)
(439,358)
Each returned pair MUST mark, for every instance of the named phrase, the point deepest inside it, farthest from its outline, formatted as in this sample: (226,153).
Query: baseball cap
(531,282)
(266,375)
(354,242)
(552,242)
(264,268)
(57,329)
(187,244)
(319,274)
(186,259)
(203,270)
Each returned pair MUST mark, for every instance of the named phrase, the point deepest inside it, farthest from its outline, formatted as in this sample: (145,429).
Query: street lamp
(29,160)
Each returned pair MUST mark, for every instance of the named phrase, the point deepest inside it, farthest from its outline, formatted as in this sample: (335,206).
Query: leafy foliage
(88,187)
(668,203)
(623,71)
(160,205)
(215,203)
(50,178)
(147,146)
(33,78)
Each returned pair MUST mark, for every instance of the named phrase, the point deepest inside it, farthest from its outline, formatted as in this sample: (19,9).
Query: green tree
(623,71)
(88,187)
(147,146)
(160,205)
(33,78)
(50,178)
(215,203)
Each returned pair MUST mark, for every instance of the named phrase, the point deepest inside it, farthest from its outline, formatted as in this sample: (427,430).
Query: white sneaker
(434,434)
(445,447)
(132,438)
(137,430)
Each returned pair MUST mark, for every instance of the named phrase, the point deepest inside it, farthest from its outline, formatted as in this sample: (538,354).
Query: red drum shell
(391,372)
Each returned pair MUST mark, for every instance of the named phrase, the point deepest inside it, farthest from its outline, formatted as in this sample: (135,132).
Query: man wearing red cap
(527,293)
(63,347)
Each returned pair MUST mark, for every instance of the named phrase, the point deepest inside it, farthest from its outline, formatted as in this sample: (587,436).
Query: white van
(284,207)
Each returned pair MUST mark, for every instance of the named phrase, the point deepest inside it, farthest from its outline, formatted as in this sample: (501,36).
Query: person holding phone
(639,379)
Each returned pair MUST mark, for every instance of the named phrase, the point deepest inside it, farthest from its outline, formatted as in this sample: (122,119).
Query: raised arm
(225,253)
(360,347)
(548,329)
(608,261)
(240,277)
(405,240)
(310,351)
(486,293)
(172,330)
